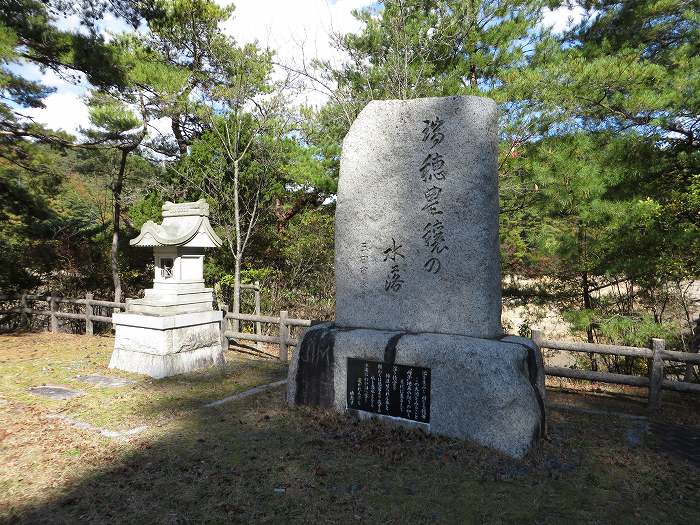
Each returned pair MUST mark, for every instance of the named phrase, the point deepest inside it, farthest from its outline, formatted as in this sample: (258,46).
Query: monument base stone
(162,346)
(490,391)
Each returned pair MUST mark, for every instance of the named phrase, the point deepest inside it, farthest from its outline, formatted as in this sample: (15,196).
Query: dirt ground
(255,460)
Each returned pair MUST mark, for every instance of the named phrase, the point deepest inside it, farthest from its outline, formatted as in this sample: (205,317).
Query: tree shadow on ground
(257,460)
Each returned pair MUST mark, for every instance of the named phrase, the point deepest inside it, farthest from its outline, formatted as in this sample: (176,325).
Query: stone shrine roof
(184,224)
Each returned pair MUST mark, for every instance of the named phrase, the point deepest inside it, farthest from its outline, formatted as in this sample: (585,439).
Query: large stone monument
(417,338)
(174,328)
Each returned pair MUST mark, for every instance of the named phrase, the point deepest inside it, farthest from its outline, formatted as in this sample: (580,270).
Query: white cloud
(286,25)
(108,26)
(74,81)
(69,22)
(160,127)
(283,25)
(297,31)
(562,18)
(64,110)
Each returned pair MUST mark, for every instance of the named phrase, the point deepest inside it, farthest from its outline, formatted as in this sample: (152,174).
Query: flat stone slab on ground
(106,381)
(55,392)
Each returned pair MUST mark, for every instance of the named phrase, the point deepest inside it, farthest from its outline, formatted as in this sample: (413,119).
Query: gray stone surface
(167,322)
(161,346)
(55,392)
(158,301)
(481,389)
(418,283)
(417,250)
(535,365)
(164,335)
(106,381)
(160,366)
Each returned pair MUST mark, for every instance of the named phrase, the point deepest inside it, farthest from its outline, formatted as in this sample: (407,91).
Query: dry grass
(28,360)
(256,460)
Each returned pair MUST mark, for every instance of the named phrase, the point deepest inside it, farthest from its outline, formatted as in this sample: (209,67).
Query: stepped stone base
(486,390)
(164,301)
(162,346)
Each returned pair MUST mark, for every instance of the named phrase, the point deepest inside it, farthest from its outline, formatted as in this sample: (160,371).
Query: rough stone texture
(55,392)
(167,321)
(106,381)
(481,389)
(159,366)
(161,346)
(535,364)
(312,383)
(418,278)
(384,202)
(158,301)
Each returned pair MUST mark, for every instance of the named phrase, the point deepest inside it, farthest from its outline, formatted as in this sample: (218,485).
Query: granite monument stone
(417,338)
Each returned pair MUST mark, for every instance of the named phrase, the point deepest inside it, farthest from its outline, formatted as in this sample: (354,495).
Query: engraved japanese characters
(417,339)
(417,219)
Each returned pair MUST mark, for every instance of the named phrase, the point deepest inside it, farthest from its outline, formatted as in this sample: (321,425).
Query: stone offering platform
(161,346)
(489,391)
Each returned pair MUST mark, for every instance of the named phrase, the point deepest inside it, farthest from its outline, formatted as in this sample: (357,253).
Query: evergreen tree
(116,125)
(419,48)
(626,79)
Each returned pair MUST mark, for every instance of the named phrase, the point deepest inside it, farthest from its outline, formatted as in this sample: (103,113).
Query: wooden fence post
(54,319)
(537,337)
(656,372)
(258,324)
(224,328)
(283,336)
(88,314)
(24,319)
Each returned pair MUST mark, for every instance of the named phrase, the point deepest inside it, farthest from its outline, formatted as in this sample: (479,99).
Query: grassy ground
(28,360)
(256,460)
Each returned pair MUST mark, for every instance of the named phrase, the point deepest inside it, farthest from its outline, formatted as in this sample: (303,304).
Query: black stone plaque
(389,389)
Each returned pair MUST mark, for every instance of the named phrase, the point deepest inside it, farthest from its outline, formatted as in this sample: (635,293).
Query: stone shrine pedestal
(174,328)
(417,339)
(162,346)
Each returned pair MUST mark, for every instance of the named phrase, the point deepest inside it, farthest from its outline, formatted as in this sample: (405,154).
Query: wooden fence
(231,329)
(656,355)
(235,323)
(54,314)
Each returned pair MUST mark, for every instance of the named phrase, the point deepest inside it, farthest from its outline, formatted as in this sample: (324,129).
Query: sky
(294,29)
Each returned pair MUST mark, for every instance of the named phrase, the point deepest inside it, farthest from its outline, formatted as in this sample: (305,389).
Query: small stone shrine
(417,339)
(174,328)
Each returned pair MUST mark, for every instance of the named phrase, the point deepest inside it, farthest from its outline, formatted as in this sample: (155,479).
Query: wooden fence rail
(235,324)
(656,356)
(283,321)
(54,314)
(230,330)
